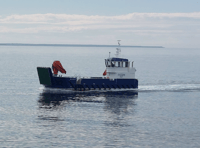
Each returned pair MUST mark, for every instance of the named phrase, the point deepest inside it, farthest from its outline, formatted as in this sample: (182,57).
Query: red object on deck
(104,73)
(57,66)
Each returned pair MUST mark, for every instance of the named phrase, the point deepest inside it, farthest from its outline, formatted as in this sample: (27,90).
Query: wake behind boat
(119,74)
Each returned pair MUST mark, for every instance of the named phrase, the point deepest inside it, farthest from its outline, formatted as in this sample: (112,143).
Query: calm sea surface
(165,113)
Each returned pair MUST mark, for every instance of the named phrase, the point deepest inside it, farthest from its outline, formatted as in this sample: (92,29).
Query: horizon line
(75,45)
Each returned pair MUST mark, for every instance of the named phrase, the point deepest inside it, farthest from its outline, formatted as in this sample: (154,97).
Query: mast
(118,49)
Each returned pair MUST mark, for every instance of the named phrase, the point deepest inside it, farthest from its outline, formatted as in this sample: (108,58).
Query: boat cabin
(119,68)
(117,62)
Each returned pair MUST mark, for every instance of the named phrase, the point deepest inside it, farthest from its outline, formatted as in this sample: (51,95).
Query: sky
(174,24)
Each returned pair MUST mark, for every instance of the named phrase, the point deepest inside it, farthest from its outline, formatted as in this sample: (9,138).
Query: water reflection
(113,102)
(107,115)
(119,111)
(118,107)
(120,103)
(113,99)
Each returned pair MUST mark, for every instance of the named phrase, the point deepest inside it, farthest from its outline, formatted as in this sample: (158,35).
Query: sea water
(165,111)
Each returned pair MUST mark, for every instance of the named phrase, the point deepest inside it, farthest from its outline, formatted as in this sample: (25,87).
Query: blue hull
(48,80)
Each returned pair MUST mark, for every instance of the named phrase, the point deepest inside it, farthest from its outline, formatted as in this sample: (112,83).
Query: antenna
(118,49)
(119,42)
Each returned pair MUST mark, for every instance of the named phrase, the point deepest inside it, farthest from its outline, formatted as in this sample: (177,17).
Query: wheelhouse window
(116,63)
(126,64)
(112,64)
(109,63)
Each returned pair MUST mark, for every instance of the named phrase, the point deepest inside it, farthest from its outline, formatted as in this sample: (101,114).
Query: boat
(119,74)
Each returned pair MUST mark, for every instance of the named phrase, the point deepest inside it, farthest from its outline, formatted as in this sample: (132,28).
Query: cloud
(65,19)
(157,26)
(55,18)
(35,23)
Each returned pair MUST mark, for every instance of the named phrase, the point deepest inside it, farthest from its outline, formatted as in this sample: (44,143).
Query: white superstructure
(119,68)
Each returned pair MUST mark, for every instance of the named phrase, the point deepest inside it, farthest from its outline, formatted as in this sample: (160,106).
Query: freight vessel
(119,74)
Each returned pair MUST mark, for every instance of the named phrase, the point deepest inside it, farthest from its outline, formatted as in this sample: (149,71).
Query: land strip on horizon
(75,45)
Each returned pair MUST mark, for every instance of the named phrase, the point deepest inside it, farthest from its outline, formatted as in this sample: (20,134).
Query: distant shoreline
(75,45)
